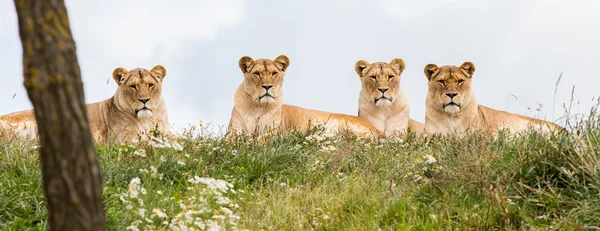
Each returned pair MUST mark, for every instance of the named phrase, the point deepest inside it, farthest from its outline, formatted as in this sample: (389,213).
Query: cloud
(135,30)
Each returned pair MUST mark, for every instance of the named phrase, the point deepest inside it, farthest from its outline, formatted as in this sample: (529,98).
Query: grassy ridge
(315,181)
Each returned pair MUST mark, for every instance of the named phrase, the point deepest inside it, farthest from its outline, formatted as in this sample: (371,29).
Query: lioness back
(302,118)
(24,125)
(18,124)
(416,126)
(499,120)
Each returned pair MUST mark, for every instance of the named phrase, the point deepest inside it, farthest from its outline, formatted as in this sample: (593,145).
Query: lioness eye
(257,74)
(151,86)
(441,82)
(132,87)
(460,81)
(374,77)
(390,77)
(274,74)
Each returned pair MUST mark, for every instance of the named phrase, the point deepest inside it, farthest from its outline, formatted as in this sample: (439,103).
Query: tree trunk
(70,169)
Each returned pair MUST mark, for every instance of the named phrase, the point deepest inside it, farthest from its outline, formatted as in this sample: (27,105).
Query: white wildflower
(218,217)
(179,162)
(134,187)
(212,226)
(227,211)
(142,212)
(223,200)
(133,227)
(177,146)
(429,159)
(509,201)
(328,148)
(159,213)
(140,152)
(200,224)
(215,185)
(417,177)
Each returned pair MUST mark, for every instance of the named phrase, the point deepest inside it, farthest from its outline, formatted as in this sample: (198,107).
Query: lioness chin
(258,104)
(453,109)
(137,107)
(381,101)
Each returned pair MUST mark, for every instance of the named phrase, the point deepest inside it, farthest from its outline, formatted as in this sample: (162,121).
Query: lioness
(382,102)
(453,109)
(258,107)
(137,106)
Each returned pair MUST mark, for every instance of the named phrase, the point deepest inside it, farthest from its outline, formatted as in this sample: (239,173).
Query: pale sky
(519,47)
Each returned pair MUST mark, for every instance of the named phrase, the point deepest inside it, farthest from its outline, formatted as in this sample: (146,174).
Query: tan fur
(461,112)
(256,113)
(115,118)
(382,102)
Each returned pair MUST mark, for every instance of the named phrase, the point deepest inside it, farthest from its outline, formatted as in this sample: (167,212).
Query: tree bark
(53,80)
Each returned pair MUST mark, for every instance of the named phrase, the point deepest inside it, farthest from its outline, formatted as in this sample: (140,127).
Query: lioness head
(140,90)
(380,81)
(449,86)
(263,78)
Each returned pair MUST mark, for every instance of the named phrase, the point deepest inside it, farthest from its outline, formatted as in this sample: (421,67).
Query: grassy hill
(316,181)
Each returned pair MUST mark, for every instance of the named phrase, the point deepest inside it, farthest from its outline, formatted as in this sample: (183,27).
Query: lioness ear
(245,63)
(160,70)
(360,66)
(119,75)
(468,67)
(430,69)
(282,62)
(399,63)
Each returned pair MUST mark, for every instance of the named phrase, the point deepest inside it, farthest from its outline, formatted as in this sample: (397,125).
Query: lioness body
(258,107)
(136,107)
(453,109)
(382,102)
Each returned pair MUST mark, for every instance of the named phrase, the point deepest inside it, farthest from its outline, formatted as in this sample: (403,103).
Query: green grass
(441,183)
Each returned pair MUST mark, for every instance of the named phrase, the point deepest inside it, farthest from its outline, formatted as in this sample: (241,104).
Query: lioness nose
(267,86)
(451,94)
(144,100)
(383,89)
